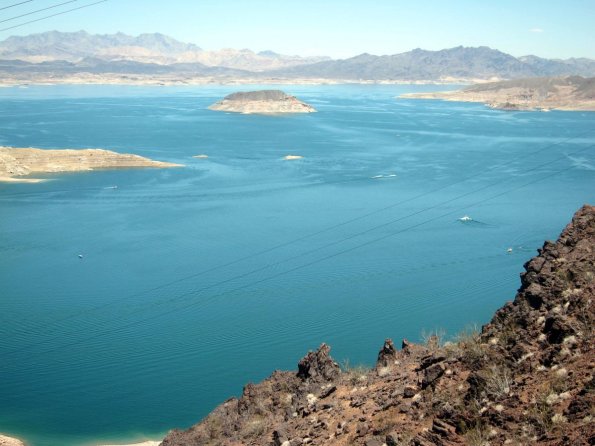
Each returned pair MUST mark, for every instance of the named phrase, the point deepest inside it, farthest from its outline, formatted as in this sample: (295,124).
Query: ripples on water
(194,281)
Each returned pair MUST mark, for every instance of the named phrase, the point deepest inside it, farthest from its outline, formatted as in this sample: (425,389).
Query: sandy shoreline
(11,441)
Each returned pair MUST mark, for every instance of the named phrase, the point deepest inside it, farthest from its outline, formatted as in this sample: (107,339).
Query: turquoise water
(197,280)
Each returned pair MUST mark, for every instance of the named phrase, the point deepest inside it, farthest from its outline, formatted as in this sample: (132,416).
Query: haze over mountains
(146,48)
(56,53)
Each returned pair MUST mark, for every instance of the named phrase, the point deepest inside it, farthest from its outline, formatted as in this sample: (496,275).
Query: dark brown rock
(318,366)
(327,392)
(557,328)
(431,374)
(387,354)
(409,391)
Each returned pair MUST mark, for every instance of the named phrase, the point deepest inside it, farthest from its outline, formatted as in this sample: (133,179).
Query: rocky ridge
(18,162)
(262,102)
(527,378)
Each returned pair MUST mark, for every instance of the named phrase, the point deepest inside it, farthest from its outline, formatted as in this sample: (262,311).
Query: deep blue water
(199,279)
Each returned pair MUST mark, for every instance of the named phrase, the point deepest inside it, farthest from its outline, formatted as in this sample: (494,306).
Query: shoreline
(6,440)
(457,96)
(195,81)
(17,165)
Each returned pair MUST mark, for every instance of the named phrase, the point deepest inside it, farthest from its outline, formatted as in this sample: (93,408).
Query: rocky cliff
(526,378)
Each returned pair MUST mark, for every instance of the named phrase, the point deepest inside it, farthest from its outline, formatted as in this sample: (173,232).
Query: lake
(196,280)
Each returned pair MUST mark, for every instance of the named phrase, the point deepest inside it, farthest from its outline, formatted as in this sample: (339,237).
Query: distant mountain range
(55,53)
(460,63)
(146,48)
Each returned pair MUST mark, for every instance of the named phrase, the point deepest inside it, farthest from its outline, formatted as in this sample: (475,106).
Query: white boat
(465,218)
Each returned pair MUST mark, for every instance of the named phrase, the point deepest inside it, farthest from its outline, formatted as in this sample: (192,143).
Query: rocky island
(528,377)
(542,93)
(15,163)
(262,102)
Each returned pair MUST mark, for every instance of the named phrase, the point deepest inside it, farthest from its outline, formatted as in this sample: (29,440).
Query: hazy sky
(338,28)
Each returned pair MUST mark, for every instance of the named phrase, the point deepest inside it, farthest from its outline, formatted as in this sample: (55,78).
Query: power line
(316,261)
(308,236)
(16,4)
(53,15)
(194,303)
(35,12)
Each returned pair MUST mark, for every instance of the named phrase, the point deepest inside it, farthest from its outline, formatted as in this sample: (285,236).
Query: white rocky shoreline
(17,164)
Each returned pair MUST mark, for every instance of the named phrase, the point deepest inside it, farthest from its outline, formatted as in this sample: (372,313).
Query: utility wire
(53,15)
(307,236)
(194,303)
(305,265)
(35,12)
(16,4)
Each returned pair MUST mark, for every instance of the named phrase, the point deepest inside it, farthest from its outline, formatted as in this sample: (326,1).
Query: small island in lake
(18,162)
(540,93)
(262,102)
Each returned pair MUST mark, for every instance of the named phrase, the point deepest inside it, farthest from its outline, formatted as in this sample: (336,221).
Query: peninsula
(542,93)
(15,163)
(262,102)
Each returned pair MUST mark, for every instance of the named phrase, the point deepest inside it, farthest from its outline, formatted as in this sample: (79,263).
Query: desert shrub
(477,436)
(498,381)
(255,427)
(472,350)
(354,375)
(540,412)
(434,339)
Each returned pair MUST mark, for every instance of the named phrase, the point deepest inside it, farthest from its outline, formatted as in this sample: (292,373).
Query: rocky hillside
(562,93)
(527,378)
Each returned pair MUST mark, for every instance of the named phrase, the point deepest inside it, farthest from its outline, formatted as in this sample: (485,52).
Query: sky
(336,28)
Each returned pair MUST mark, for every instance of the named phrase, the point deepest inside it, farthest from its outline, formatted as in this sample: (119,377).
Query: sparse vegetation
(472,350)
(354,375)
(498,381)
(433,339)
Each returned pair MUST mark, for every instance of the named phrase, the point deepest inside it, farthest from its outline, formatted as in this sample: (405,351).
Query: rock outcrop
(561,93)
(527,378)
(262,102)
(15,162)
